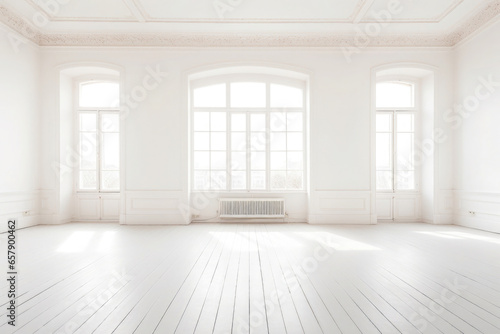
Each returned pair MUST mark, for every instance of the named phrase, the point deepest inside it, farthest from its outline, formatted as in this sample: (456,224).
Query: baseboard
(479,223)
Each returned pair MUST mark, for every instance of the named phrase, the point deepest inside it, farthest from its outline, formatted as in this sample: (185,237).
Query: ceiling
(247,22)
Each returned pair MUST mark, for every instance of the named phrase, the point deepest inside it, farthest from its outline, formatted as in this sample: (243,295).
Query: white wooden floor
(228,278)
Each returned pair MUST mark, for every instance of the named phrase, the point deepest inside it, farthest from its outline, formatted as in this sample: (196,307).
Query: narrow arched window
(396,128)
(98,136)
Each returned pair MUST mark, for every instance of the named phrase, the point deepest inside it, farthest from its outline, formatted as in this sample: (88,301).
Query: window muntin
(98,139)
(255,144)
(395,144)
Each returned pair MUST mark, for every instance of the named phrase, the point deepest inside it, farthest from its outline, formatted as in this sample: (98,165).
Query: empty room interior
(237,166)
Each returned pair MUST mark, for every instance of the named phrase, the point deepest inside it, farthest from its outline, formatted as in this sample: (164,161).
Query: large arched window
(395,130)
(98,136)
(248,133)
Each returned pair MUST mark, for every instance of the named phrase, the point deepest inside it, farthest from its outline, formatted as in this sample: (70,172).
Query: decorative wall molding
(470,26)
(153,207)
(22,206)
(341,207)
(480,210)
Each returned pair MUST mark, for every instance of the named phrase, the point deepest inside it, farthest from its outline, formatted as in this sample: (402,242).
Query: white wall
(477,133)
(67,149)
(155,130)
(19,131)
(427,149)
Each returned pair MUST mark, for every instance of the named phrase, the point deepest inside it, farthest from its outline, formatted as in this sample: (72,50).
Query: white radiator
(252,208)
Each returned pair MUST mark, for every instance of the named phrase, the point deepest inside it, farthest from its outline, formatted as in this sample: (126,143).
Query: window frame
(416,132)
(267,110)
(99,134)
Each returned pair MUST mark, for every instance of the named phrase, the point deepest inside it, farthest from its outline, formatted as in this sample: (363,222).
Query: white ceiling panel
(328,10)
(84,9)
(415,10)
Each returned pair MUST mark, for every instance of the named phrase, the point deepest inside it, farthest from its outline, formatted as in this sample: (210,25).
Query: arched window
(248,133)
(98,136)
(396,128)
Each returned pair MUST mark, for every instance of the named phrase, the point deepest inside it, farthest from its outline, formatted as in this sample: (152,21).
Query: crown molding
(239,40)
(476,22)
(471,26)
(19,25)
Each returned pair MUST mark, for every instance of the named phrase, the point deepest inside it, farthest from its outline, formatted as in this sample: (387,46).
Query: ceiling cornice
(470,26)
(20,25)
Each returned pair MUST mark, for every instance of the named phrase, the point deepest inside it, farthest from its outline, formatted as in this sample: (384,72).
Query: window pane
(258,141)
(88,151)
(238,141)
(405,122)
(258,122)
(278,180)
(88,180)
(405,180)
(384,151)
(295,141)
(100,94)
(258,180)
(218,121)
(384,180)
(238,161)
(384,122)
(201,180)
(294,121)
(201,121)
(218,160)
(110,151)
(258,161)
(278,161)
(201,160)
(218,141)
(110,180)
(88,122)
(201,141)
(110,122)
(248,95)
(213,96)
(238,180)
(278,121)
(278,141)
(295,160)
(405,151)
(294,180)
(286,96)
(239,122)
(394,95)
(219,180)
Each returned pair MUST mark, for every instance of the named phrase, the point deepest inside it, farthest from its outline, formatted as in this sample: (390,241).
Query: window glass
(286,97)
(394,95)
(99,95)
(213,96)
(248,95)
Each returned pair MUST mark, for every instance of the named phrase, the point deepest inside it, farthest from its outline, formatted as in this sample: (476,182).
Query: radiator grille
(252,208)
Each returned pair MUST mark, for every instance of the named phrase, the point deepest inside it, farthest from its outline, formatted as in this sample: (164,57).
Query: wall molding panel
(153,207)
(479,210)
(22,206)
(340,207)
